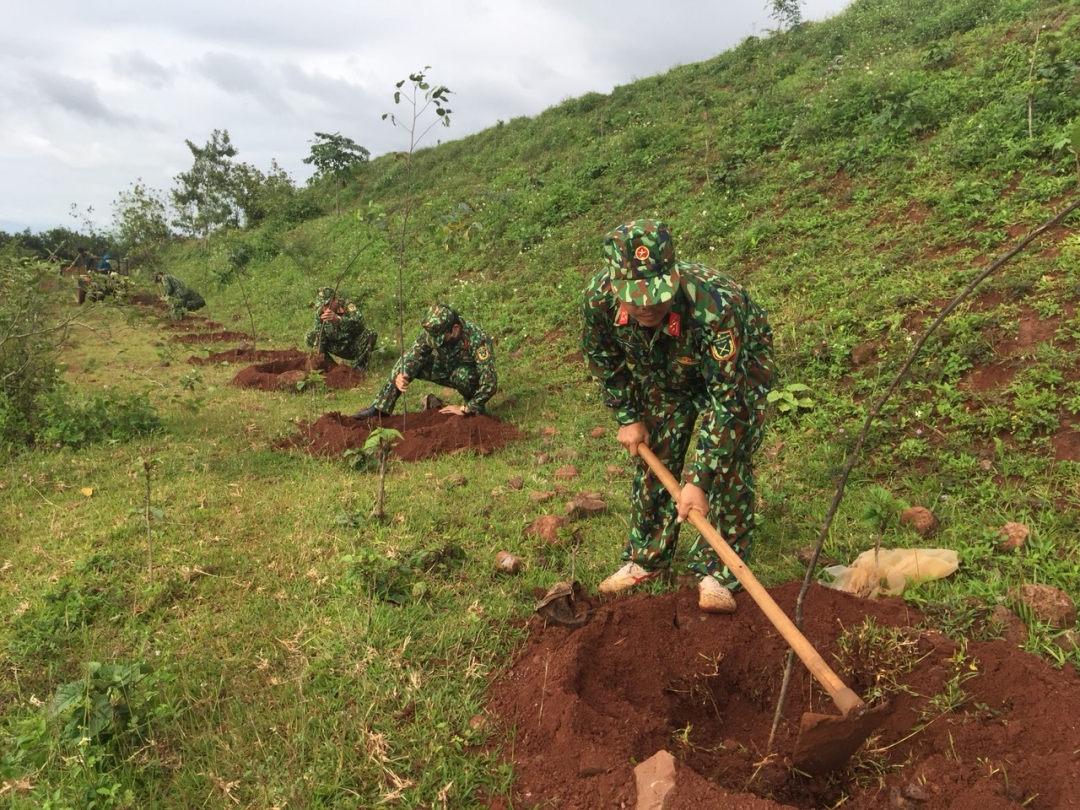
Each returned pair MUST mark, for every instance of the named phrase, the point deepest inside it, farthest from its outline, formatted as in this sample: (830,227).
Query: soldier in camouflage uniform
(671,341)
(82,265)
(340,329)
(181,298)
(450,351)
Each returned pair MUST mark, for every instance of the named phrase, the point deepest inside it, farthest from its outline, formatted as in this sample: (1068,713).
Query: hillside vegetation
(193,618)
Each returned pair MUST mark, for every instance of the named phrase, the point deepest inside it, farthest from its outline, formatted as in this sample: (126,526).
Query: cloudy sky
(96,95)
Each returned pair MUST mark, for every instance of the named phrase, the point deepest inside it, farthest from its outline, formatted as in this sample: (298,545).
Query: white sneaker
(714,597)
(626,578)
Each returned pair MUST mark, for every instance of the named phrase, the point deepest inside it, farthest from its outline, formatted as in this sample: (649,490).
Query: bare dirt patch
(232,356)
(289,368)
(988,727)
(425,434)
(210,337)
(192,323)
(148,300)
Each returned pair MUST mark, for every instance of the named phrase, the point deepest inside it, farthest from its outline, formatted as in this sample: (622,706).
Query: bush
(68,422)
(29,340)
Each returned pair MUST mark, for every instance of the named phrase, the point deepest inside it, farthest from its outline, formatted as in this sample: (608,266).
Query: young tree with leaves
(787,13)
(205,197)
(334,157)
(141,223)
(420,97)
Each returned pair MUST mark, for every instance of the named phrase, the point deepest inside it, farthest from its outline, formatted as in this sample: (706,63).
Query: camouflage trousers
(654,533)
(181,305)
(462,379)
(357,351)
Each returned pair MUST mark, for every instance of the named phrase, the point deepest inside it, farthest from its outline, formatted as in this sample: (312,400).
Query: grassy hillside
(272,646)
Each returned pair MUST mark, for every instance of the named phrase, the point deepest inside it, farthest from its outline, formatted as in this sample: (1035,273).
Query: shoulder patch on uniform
(723,345)
(483,353)
(351,307)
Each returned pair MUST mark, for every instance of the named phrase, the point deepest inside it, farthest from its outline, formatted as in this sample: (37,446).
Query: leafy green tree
(334,157)
(141,224)
(260,196)
(56,244)
(205,198)
(247,190)
(787,13)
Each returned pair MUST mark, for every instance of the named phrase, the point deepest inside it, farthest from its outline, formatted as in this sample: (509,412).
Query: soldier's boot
(714,597)
(629,576)
(369,413)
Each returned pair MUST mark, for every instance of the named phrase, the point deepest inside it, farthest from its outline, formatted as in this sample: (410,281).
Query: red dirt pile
(986,727)
(425,434)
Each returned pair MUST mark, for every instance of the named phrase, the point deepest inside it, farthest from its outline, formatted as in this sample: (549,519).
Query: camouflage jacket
(713,353)
(176,290)
(341,334)
(473,351)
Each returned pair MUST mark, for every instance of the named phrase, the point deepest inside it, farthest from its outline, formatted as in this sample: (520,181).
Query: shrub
(68,421)
(29,339)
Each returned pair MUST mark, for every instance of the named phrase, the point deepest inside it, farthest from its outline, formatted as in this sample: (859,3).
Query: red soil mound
(988,727)
(292,367)
(247,356)
(147,300)
(210,337)
(193,323)
(425,434)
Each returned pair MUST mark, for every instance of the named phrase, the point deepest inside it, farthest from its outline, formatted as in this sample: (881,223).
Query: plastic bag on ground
(892,571)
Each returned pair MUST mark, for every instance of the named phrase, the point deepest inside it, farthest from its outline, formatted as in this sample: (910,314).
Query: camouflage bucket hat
(324,294)
(438,321)
(641,262)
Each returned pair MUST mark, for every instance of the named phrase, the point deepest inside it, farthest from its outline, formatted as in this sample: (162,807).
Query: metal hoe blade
(826,742)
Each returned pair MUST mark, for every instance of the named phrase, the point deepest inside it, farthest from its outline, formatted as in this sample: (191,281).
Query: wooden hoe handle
(845,699)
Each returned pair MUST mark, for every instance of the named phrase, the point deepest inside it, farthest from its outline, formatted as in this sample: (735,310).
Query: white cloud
(95,95)
(136,66)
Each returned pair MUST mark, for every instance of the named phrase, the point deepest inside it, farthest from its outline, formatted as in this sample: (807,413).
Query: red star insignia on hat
(642,253)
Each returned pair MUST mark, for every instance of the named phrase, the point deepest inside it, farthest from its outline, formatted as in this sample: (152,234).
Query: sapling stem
(853,457)
(147,464)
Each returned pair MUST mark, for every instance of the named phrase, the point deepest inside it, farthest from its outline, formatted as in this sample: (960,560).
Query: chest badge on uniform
(723,346)
(483,353)
(687,361)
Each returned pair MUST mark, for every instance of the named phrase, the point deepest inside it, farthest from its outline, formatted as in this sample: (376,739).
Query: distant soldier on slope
(82,265)
(181,298)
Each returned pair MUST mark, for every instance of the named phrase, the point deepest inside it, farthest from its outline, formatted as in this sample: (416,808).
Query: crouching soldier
(181,298)
(450,351)
(340,329)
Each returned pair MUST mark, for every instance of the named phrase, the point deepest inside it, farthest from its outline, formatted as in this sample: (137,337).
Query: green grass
(294,652)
